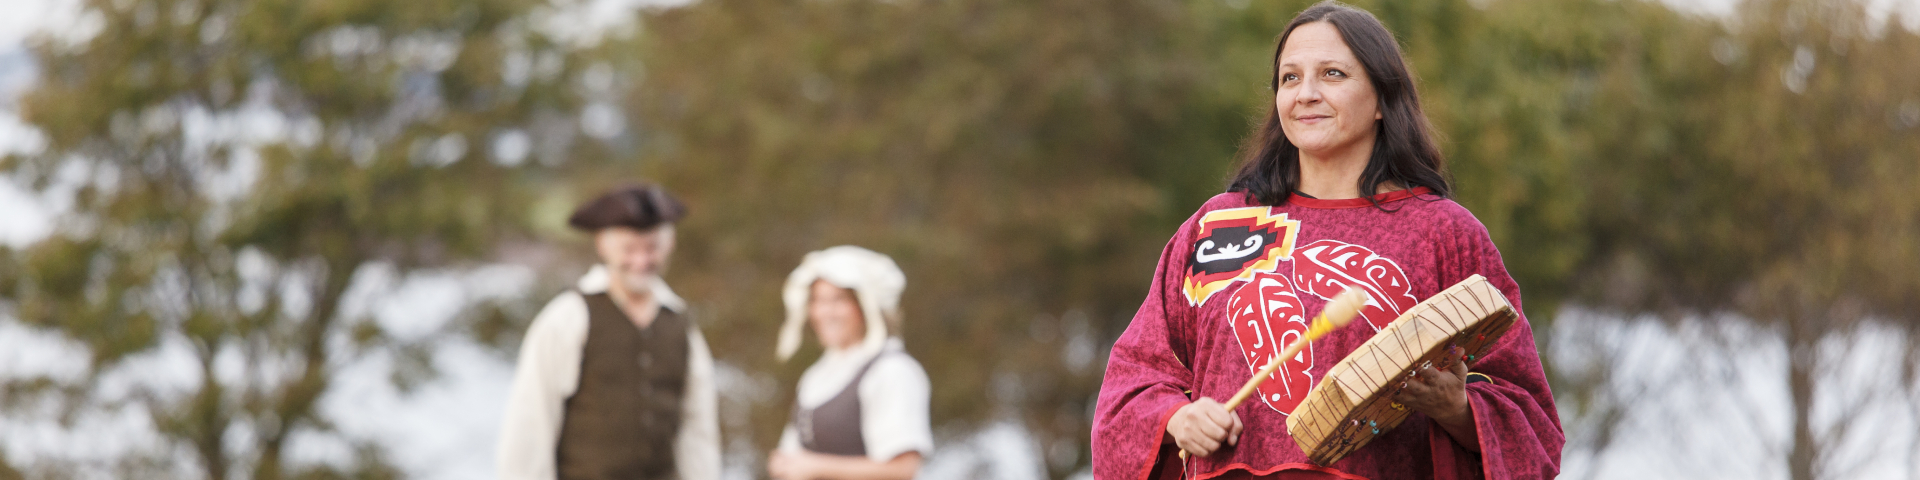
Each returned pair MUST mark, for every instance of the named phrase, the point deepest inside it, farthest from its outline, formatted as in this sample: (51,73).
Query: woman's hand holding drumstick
(1203,426)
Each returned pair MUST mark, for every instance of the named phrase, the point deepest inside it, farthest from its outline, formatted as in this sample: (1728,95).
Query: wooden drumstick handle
(1338,313)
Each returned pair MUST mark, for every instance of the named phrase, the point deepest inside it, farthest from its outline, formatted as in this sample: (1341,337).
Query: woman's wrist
(1460,415)
(1459,423)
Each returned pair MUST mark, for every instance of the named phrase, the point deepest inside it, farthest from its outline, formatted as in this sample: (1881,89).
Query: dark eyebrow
(1322,63)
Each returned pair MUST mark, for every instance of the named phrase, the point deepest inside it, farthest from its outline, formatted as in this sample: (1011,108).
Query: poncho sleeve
(1147,375)
(1514,415)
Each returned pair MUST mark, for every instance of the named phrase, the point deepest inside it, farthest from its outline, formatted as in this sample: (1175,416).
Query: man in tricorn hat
(614,381)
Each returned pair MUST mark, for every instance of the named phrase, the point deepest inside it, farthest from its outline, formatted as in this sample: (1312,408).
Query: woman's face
(835,315)
(1327,106)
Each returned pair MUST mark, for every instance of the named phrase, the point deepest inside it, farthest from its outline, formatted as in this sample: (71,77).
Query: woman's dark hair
(1404,151)
(640,207)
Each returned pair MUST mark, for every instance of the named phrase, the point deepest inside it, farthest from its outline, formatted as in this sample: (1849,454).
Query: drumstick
(1336,314)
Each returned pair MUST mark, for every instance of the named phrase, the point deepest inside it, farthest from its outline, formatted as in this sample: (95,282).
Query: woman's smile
(1312,118)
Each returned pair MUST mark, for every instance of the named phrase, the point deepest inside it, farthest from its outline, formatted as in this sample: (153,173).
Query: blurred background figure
(860,412)
(614,379)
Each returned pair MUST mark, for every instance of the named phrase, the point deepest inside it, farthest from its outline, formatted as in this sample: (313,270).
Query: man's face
(634,257)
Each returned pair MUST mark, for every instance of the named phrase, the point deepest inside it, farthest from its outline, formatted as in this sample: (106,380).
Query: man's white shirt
(549,372)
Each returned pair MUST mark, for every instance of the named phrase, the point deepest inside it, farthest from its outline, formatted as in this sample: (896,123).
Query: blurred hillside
(239,171)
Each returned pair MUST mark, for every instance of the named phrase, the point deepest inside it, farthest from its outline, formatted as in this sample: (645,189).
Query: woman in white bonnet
(861,410)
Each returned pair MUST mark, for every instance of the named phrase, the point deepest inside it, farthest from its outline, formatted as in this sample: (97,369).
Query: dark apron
(834,427)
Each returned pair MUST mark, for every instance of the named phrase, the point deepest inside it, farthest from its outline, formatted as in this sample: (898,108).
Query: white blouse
(893,399)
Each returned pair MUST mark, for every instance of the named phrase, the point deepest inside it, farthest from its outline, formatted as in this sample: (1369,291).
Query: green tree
(1760,169)
(364,128)
(1024,161)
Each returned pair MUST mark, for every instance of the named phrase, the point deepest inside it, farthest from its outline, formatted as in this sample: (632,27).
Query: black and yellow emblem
(1234,244)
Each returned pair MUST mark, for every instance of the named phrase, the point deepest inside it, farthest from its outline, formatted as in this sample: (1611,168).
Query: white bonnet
(875,280)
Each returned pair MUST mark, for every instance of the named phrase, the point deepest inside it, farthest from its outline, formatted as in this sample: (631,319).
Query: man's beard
(639,284)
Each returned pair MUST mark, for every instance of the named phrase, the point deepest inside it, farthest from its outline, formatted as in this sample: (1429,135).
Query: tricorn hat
(640,207)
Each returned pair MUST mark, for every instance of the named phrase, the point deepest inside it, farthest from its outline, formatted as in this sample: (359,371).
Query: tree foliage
(233,164)
(1024,161)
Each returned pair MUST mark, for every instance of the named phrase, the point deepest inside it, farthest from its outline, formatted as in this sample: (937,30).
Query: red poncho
(1240,277)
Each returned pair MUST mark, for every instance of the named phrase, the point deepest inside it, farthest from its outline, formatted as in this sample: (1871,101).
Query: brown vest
(833,427)
(621,422)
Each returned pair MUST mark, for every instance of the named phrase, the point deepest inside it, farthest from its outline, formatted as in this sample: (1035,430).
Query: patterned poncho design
(1239,282)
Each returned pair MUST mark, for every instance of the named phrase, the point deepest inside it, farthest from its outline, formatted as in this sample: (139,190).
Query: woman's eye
(1336,73)
(1288,78)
